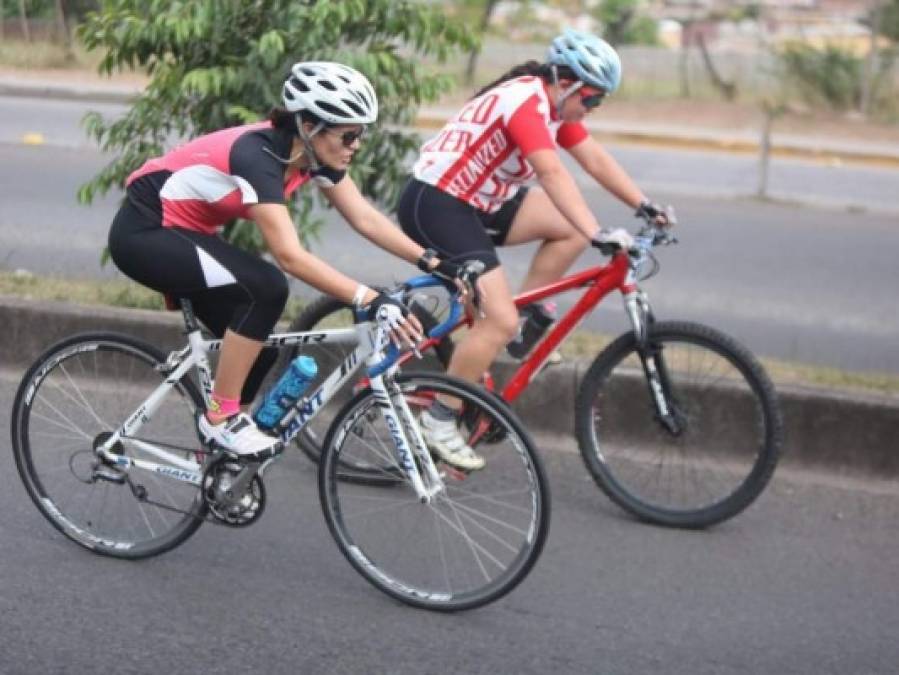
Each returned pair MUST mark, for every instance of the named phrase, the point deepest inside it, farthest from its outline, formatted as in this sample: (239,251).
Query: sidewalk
(693,125)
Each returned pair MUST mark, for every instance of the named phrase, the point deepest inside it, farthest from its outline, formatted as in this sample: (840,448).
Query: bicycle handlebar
(424,281)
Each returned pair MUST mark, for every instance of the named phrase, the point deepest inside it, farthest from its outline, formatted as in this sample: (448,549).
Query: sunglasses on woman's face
(349,137)
(591,101)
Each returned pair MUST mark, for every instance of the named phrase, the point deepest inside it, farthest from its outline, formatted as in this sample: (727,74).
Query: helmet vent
(332,109)
(356,108)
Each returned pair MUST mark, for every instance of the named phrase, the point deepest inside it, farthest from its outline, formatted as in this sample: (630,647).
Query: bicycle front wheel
(72,399)
(476,539)
(714,453)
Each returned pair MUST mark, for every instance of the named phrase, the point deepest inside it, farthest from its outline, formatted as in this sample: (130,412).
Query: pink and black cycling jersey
(209,181)
(479,156)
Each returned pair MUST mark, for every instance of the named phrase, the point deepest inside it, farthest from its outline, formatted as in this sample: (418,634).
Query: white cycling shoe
(239,436)
(445,441)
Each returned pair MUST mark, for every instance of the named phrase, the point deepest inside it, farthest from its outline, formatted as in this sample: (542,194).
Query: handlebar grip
(390,356)
(450,322)
(424,281)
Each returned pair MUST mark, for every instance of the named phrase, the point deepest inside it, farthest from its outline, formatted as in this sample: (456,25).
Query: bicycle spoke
(473,540)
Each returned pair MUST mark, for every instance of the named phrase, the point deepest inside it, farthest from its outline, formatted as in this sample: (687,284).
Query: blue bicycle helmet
(592,59)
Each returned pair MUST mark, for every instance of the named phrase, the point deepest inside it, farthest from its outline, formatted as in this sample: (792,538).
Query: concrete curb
(433,118)
(836,432)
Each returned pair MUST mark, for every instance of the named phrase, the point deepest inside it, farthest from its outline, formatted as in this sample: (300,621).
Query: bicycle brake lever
(469,277)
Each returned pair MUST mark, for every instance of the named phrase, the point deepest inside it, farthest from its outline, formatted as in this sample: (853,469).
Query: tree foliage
(624,23)
(889,22)
(44,9)
(216,63)
(829,76)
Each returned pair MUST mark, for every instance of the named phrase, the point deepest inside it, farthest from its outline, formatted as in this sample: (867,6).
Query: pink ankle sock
(222,407)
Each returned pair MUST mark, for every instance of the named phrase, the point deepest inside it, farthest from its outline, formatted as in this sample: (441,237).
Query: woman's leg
(237,358)
(234,293)
(539,219)
(491,332)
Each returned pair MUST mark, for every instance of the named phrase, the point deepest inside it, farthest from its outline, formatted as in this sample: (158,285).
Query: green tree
(623,23)
(829,76)
(215,63)
(889,23)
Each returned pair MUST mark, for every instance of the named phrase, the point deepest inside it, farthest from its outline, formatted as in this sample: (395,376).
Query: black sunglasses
(593,100)
(349,137)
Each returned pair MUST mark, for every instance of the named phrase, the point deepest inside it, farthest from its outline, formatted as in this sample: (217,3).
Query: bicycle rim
(725,450)
(473,543)
(80,390)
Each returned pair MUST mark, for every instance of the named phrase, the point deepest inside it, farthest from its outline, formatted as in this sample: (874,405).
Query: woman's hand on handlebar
(393,316)
(655,214)
(466,277)
(612,241)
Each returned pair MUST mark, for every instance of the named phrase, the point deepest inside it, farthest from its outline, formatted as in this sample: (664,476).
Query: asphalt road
(805,581)
(672,171)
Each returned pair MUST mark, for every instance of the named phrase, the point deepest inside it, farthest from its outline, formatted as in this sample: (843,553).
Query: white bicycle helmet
(333,92)
(592,59)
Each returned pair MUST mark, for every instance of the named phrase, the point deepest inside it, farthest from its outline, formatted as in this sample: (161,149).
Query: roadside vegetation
(110,292)
(581,345)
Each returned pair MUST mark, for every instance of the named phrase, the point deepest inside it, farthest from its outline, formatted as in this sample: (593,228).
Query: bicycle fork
(414,458)
(639,312)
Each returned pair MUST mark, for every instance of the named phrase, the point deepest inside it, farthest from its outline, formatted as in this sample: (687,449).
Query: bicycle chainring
(229,503)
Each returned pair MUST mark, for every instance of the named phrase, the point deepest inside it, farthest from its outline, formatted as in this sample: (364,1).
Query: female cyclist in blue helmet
(468,195)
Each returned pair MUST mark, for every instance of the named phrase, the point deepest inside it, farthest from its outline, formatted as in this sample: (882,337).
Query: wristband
(426,259)
(359,296)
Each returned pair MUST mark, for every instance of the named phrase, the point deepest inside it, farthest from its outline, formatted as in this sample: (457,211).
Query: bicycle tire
(636,462)
(327,312)
(70,392)
(490,525)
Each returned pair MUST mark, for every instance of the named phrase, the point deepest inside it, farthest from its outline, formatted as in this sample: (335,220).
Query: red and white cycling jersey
(479,156)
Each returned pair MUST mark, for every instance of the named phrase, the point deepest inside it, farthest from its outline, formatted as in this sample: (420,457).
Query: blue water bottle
(293,382)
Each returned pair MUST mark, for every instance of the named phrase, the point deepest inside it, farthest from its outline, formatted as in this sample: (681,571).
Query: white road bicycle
(105,440)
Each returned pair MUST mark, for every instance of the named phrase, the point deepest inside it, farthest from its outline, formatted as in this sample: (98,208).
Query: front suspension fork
(658,381)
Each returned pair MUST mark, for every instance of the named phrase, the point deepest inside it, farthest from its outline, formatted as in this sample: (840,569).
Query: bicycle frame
(371,344)
(598,281)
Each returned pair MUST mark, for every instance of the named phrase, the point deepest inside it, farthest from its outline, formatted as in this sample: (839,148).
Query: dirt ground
(699,114)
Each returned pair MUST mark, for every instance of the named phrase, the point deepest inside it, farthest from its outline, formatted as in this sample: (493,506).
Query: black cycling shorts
(455,229)
(228,287)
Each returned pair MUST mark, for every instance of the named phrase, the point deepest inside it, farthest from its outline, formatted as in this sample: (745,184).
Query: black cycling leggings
(228,287)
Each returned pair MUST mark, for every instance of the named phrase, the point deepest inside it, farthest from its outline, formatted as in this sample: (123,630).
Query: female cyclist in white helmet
(466,196)
(165,235)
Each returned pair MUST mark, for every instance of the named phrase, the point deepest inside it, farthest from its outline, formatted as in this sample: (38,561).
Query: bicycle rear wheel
(75,395)
(326,313)
(720,448)
(474,542)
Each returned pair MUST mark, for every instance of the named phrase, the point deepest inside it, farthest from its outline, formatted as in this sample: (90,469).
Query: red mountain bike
(677,422)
